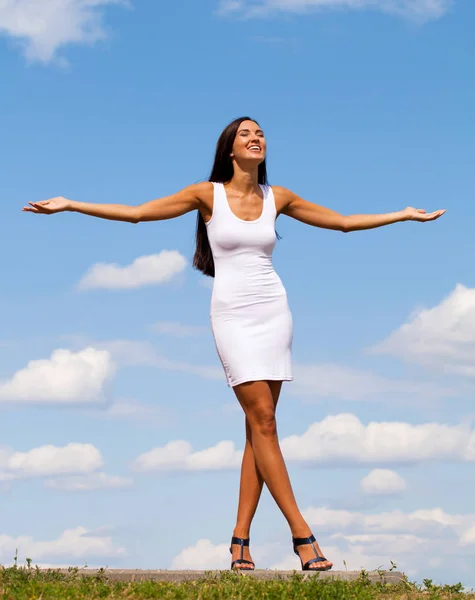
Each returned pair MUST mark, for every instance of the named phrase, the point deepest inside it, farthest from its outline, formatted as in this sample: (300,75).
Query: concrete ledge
(130,575)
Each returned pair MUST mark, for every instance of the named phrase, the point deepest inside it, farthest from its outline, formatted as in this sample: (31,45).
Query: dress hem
(255,378)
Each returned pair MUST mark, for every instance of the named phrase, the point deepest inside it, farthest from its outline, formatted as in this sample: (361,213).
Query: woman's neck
(245,181)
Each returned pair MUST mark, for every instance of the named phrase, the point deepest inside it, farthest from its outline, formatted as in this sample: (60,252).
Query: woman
(250,317)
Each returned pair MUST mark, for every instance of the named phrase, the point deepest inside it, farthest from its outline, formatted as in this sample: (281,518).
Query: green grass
(26,583)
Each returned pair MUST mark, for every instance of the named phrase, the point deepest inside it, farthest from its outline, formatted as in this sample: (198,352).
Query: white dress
(250,316)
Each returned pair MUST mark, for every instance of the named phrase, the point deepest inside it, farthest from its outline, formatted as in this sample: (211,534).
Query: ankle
(301,531)
(241,532)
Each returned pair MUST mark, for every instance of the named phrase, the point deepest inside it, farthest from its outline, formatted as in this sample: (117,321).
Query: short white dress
(250,316)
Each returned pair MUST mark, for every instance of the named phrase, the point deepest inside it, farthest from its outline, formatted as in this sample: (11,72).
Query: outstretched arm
(312,214)
(167,207)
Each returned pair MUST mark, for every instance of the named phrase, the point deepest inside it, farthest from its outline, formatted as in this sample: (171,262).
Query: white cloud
(468,537)
(66,377)
(356,540)
(324,380)
(78,543)
(136,411)
(441,337)
(419,10)
(129,353)
(51,460)
(340,439)
(132,353)
(178,329)
(145,270)
(42,27)
(312,381)
(92,481)
(343,439)
(427,522)
(204,555)
(407,538)
(178,456)
(382,482)
(327,380)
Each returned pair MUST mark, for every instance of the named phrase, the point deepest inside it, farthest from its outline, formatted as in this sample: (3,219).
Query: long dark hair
(222,172)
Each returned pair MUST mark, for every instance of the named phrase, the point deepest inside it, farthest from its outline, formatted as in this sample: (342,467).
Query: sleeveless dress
(250,316)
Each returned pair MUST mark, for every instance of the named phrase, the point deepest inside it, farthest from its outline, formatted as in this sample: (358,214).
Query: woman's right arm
(168,207)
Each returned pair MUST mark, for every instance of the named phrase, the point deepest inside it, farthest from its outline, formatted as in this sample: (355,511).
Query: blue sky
(110,386)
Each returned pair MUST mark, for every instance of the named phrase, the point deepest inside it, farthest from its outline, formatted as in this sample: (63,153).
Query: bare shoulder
(196,191)
(203,192)
(283,197)
(200,194)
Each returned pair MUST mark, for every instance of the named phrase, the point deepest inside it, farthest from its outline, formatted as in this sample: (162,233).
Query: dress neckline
(245,220)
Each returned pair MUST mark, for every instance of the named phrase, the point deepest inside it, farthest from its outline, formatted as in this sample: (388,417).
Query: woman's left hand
(419,214)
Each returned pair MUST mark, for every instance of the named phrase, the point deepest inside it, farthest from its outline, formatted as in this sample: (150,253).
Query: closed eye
(259,132)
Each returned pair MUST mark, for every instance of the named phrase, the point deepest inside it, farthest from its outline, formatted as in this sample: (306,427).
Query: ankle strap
(303,541)
(240,541)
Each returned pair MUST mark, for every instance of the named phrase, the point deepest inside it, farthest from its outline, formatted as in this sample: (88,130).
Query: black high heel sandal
(241,561)
(306,567)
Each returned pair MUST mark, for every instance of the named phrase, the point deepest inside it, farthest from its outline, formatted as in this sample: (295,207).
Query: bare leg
(257,402)
(250,487)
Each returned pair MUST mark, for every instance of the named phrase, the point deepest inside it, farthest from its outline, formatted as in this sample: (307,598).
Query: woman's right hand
(48,207)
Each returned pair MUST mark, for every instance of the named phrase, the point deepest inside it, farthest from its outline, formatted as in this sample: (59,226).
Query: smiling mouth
(255,148)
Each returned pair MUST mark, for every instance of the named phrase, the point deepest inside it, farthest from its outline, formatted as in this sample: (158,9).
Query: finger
(37,209)
(41,209)
(434,215)
(44,205)
(421,210)
(41,202)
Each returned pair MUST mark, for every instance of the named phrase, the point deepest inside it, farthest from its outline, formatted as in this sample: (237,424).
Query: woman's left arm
(309,213)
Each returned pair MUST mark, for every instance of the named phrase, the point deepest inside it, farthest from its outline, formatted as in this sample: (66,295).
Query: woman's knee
(261,418)
(259,406)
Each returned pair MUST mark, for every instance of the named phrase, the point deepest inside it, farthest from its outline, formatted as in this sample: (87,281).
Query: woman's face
(250,143)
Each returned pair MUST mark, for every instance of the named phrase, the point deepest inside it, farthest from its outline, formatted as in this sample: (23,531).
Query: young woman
(250,317)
